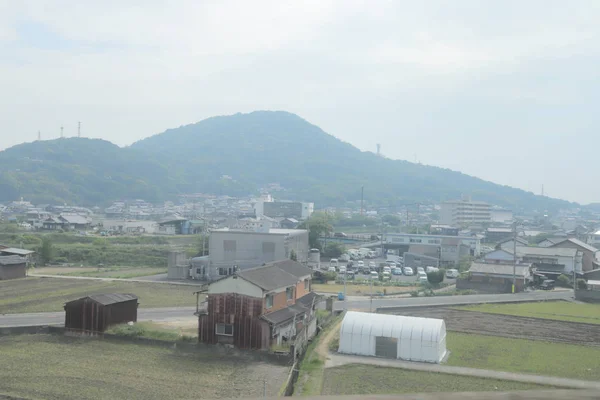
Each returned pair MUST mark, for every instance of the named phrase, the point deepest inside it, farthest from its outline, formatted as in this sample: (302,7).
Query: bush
(563,280)
(414,293)
(581,284)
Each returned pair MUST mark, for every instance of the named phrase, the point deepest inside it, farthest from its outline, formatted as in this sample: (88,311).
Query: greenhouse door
(386,347)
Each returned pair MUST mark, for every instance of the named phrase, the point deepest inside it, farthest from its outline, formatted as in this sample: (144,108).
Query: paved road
(353,303)
(160,278)
(357,303)
(335,360)
(58,318)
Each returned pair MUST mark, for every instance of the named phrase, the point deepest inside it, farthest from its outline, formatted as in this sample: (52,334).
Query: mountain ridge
(254,149)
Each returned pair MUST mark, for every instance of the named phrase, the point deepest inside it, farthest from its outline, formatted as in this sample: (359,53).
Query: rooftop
(285,314)
(275,275)
(13,250)
(577,242)
(499,269)
(544,251)
(108,298)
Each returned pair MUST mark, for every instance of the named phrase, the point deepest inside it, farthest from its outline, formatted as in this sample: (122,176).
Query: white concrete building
(393,336)
(473,243)
(465,212)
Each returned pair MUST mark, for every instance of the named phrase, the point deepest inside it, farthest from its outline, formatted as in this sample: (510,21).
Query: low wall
(31,330)
(483,287)
(592,296)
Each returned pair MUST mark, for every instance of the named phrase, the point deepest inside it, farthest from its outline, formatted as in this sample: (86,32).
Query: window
(289,293)
(269,300)
(415,240)
(223,271)
(224,329)
(306,284)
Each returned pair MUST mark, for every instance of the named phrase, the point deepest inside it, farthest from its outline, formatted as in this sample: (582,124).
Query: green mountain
(236,155)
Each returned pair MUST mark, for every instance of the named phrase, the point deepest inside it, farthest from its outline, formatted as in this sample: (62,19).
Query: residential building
(238,249)
(465,212)
(589,252)
(501,216)
(493,235)
(445,230)
(497,278)
(549,242)
(284,209)
(415,260)
(510,243)
(258,307)
(289,223)
(593,239)
(12,267)
(67,222)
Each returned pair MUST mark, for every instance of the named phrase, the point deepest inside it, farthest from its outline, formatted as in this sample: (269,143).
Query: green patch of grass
(527,356)
(557,310)
(151,331)
(369,379)
(59,367)
(50,294)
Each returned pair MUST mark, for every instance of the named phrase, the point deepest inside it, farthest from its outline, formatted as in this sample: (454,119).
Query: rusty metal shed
(95,313)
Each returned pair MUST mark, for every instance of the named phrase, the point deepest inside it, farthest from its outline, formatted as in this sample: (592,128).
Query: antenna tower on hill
(61,131)
(39,135)
(79,129)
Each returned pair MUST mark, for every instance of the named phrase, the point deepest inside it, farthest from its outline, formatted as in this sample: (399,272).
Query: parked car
(548,284)
(421,277)
(397,271)
(420,269)
(408,271)
(340,235)
(392,265)
(334,262)
(331,269)
(387,275)
(360,264)
(349,275)
(366,270)
(374,275)
(429,269)
(452,273)
(345,257)
(342,269)
(387,269)
(372,265)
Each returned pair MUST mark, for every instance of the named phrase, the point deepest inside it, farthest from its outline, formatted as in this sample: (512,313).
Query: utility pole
(371,301)
(514,257)
(79,129)
(345,301)
(362,198)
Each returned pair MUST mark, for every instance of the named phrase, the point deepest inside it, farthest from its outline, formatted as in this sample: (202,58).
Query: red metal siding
(90,316)
(243,312)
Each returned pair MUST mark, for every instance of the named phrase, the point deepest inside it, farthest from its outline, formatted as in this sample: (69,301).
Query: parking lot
(377,261)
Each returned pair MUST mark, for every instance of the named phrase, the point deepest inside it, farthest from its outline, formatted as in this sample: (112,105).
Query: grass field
(370,379)
(558,310)
(360,290)
(50,294)
(58,367)
(111,272)
(527,356)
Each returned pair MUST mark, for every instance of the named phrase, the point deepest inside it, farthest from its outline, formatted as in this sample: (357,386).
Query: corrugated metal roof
(285,314)
(499,269)
(12,260)
(108,298)
(544,251)
(13,250)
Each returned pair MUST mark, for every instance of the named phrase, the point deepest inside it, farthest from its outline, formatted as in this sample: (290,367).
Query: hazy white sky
(504,90)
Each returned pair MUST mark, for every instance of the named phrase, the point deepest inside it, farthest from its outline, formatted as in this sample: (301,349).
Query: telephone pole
(514,257)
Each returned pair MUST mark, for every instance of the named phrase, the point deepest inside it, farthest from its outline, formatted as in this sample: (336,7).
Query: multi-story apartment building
(465,212)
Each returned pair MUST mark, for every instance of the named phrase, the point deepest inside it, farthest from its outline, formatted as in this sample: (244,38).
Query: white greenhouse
(393,336)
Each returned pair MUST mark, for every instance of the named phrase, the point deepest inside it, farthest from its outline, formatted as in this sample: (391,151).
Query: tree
(436,277)
(319,224)
(46,251)
(333,250)
(293,255)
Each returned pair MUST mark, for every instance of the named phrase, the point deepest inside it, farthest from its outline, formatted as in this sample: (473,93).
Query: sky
(504,90)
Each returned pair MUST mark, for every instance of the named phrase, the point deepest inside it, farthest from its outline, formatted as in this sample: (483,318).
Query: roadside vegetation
(556,310)
(59,367)
(50,294)
(526,356)
(363,289)
(354,379)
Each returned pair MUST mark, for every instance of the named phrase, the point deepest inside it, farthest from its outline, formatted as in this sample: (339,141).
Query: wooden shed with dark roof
(12,267)
(95,313)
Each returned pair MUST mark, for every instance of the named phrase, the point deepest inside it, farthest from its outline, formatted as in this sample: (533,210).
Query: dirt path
(337,360)
(512,326)
(323,348)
